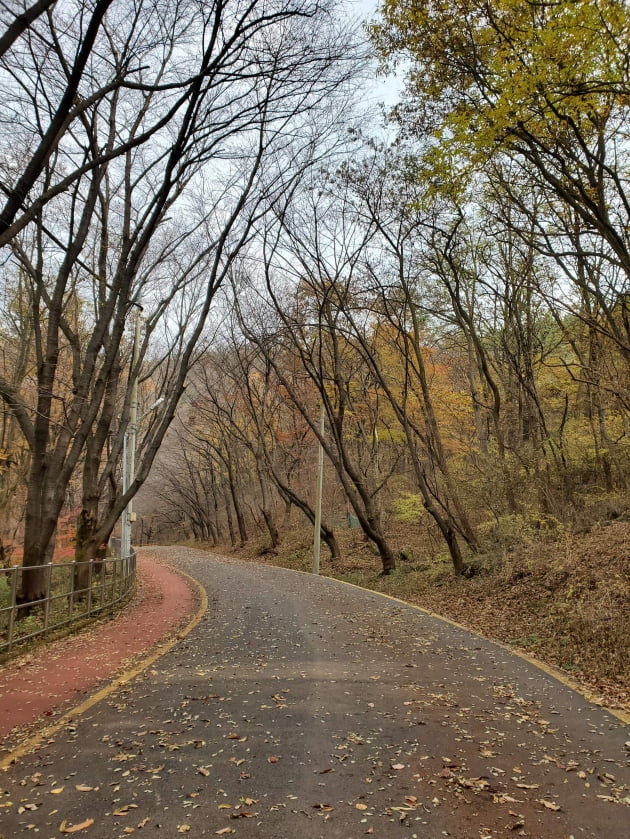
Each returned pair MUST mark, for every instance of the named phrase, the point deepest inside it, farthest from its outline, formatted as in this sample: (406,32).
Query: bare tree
(158,217)
(305,318)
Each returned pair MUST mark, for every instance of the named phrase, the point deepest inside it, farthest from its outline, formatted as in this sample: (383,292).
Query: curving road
(302,707)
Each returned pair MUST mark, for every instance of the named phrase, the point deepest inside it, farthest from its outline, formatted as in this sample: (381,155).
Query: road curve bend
(299,706)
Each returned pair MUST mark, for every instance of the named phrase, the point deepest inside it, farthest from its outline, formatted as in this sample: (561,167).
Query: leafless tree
(177,128)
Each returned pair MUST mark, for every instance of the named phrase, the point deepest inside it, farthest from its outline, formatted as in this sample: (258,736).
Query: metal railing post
(103,581)
(49,569)
(73,569)
(14,580)
(90,581)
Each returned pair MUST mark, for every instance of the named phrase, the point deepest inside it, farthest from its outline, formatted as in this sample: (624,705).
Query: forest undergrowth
(562,598)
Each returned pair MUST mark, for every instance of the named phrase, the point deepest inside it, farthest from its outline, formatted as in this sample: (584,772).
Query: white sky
(386,90)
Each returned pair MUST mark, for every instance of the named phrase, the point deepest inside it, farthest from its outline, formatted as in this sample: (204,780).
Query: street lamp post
(129,450)
(317,539)
(129,474)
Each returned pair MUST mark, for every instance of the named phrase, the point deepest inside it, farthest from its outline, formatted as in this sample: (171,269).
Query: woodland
(439,306)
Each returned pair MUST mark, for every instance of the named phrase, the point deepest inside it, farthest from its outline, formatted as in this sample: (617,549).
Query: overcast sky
(385,90)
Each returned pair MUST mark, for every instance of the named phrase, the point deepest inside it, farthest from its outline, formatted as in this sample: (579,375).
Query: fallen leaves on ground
(549,805)
(64,827)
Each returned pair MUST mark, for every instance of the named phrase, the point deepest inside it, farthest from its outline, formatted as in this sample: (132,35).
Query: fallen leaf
(472,783)
(510,800)
(183,828)
(361,806)
(203,771)
(84,788)
(122,811)
(56,791)
(223,831)
(273,759)
(549,804)
(75,828)
(398,766)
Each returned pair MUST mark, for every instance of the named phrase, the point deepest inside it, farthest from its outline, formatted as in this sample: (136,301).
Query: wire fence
(72,591)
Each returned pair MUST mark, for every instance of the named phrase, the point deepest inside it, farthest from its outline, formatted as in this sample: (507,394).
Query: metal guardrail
(74,591)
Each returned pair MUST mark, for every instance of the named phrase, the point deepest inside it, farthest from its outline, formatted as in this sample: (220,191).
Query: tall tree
(144,190)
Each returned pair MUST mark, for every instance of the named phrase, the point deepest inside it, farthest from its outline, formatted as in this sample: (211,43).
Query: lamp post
(129,474)
(129,450)
(317,539)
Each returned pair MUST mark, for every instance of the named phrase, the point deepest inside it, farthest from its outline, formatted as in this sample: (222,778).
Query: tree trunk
(228,515)
(265,507)
(240,518)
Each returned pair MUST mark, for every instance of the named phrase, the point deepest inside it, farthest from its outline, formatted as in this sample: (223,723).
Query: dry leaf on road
(75,828)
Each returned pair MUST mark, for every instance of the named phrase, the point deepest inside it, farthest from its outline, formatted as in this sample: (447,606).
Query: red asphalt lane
(39,685)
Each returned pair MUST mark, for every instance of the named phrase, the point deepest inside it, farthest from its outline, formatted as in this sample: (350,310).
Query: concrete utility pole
(129,448)
(318,501)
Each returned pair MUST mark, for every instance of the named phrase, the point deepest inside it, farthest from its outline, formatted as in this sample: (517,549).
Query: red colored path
(39,685)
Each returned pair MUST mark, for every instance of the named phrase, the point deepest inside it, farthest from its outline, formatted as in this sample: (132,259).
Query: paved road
(302,707)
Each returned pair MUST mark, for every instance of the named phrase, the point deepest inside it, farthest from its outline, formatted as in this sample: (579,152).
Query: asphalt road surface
(300,707)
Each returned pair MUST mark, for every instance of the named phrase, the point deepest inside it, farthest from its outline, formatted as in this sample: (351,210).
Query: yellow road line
(31,743)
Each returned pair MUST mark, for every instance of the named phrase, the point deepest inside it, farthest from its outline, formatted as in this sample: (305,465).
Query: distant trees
(455,361)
